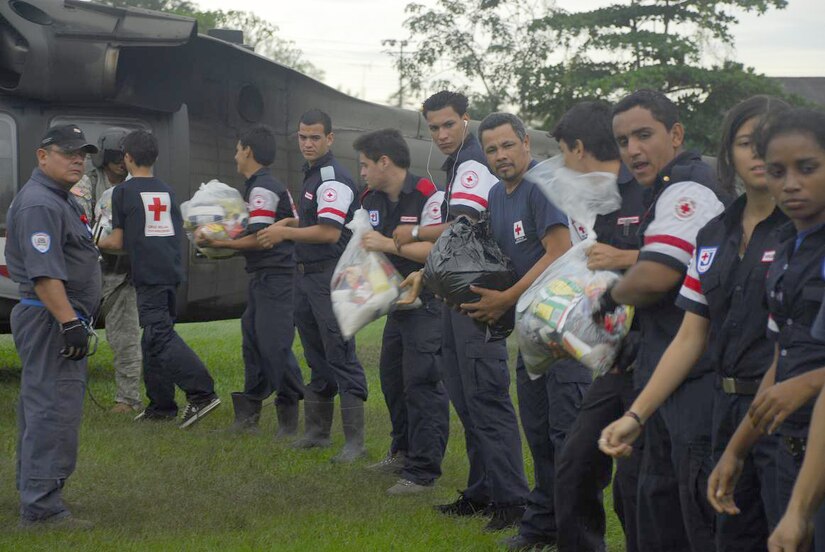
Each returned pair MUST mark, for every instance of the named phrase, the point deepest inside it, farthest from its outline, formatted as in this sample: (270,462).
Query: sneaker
(123,408)
(391,463)
(194,412)
(149,416)
(520,543)
(462,507)
(407,487)
(505,517)
(57,523)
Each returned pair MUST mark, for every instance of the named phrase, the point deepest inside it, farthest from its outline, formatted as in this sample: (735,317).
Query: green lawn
(155,487)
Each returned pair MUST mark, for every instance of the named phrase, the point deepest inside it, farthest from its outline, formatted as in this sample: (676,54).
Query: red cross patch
(518,232)
(469,179)
(330,195)
(434,209)
(258,201)
(685,208)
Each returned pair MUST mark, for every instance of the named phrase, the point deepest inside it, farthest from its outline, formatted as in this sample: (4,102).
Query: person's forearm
(627,259)
(809,489)
(318,233)
(52,293)
(432,233)
(416,252)
(291,222)
(246,243)
(674,367)
(645,284)
(518,289)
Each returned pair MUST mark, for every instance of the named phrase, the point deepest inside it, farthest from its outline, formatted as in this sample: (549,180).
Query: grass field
(155,487)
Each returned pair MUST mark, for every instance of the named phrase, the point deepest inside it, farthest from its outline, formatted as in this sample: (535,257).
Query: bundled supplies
(466,254)
(216,211)
(365,285)
(554,316)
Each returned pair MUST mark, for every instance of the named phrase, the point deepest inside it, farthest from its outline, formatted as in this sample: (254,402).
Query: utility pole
(392,43)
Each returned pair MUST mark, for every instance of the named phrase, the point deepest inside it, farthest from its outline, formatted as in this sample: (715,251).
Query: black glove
(605,305)
(75,338)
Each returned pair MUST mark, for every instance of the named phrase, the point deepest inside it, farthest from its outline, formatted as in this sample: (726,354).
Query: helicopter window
(93,127)
(8,164)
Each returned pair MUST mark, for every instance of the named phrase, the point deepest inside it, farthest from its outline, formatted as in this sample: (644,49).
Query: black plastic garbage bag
(466,254)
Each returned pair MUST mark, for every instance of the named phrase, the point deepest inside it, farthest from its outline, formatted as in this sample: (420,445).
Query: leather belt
(733,386)
(313,268)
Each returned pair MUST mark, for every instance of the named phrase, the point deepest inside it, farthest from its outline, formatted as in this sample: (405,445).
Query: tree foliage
(259,34)
(541,59)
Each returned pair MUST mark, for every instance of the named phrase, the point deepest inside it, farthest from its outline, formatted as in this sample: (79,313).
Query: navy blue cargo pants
(268,332)
(548,407)
(583,471)
(410,370)
(787,465)
(331,358)
(49,411)
(755,492)
(478,383)
(167,359)
(673,512)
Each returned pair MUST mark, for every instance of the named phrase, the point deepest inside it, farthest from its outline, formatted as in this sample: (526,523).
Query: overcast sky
(343,37)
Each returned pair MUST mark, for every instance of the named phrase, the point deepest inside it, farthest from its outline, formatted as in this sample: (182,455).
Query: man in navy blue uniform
(51,255)
(673,514)
(327,203)
(147,223)
(533,233)
(410,365)
(585,137)
(266,324)
(475,370)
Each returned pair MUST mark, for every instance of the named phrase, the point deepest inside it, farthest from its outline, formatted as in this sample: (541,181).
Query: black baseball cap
(67,137)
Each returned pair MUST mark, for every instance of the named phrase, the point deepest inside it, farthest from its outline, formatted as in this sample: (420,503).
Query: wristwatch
(414,232)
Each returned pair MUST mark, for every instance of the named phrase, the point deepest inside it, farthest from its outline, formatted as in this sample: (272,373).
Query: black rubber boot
(352,420)
(287,415)
(318,411)
(247,414)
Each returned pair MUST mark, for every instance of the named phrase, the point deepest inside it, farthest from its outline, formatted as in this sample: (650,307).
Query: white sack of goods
(554,317)
(216,211)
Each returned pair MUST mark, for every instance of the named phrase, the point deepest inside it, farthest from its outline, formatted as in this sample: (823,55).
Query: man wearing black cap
(50,254)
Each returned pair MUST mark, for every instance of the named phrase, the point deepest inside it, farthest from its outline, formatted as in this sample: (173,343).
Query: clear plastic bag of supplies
(466,254)
(554,316)
(218,211)
(365,285)
(103,219)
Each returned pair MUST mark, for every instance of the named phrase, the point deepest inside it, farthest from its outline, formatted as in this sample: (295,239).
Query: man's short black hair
(495,120)
(142,146)
(382,142)
(792,121)
(446,98)
(592,123)
(317,117)
(261,140)
(659,105)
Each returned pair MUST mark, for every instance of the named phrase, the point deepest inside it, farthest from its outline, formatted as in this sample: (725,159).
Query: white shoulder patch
(327,173)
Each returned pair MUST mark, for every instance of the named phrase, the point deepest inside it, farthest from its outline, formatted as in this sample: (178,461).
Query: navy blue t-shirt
(520,220)
(145,209)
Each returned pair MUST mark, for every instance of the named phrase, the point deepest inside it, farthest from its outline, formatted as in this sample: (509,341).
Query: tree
(542,64)
(259,34)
